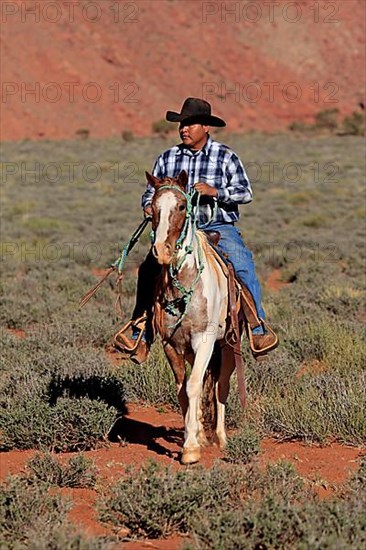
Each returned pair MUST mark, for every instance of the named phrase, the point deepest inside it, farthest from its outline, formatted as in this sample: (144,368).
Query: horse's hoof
(190,456)
(220,441)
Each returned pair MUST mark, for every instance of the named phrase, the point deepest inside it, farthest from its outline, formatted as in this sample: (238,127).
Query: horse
(190,312)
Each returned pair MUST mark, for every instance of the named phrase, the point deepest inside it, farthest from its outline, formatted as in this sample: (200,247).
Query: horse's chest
(184,323)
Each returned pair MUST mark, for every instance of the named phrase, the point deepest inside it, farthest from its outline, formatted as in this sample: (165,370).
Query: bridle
(191,217)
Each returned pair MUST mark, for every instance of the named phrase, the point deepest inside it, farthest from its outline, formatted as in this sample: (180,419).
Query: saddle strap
(233,335)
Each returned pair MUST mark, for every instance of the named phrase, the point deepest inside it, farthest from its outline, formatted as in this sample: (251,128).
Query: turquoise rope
(120,262)
(192,213)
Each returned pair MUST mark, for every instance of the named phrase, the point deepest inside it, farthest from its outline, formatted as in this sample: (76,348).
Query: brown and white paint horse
(204,322)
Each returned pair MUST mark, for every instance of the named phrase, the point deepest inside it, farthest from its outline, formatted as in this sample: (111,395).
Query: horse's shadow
(123,429)
(132,431)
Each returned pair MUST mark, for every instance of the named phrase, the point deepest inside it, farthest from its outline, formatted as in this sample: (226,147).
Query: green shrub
(33,518)
(275,523)
(354,124)
(154,502)
(327,119)
(243,446)
(152,382)
(161,127)
(78,472)
(71,425)
(27,509)
(128,136)
(319,408)
(56,397)
(235,507)
(357,483)
(83,133)
(26,425)
(279,512)
(339,347)
(298,126)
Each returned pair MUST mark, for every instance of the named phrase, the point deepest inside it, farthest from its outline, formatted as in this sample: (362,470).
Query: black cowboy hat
(195,111)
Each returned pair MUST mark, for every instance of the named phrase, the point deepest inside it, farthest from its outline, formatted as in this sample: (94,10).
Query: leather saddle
(242,297)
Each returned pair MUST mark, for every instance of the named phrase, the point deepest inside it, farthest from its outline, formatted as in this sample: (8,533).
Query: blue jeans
(232,244)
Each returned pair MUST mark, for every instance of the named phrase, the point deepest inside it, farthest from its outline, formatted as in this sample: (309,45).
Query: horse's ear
(152,180)
(183,179)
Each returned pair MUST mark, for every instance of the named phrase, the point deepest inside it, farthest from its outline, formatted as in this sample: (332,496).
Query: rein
(117,265)
(192,212)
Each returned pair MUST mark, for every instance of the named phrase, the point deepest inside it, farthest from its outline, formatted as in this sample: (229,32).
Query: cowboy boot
(263,343)
(133,347)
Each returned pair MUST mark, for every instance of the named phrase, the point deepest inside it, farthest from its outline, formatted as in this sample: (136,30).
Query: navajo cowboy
(217,173)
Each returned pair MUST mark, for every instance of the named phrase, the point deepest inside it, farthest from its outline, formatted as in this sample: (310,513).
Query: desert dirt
(151,434)
(147,433)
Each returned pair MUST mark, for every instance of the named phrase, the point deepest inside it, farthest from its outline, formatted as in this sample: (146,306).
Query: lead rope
(117,265)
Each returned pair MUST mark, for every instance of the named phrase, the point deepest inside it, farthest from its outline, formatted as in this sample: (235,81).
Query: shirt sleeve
(158,172)
(237,189)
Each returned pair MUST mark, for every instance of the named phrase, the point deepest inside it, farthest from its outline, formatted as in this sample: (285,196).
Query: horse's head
(169,211)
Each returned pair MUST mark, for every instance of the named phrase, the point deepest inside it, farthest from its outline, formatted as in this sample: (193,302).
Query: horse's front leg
(203,347)
(202,439)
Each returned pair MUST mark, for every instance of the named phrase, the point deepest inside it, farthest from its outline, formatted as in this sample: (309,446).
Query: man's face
(193,136)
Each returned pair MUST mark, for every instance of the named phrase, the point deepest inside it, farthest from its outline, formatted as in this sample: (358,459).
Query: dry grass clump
(235,507)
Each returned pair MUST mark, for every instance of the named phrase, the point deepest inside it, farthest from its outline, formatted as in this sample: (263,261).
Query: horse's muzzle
(163,253)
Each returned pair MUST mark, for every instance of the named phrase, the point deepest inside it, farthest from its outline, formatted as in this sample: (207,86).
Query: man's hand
(205,189)
(148,211)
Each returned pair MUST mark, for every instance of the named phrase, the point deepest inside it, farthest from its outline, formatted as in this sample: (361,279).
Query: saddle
(241,304)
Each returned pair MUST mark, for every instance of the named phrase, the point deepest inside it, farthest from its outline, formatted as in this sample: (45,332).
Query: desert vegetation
(67,208)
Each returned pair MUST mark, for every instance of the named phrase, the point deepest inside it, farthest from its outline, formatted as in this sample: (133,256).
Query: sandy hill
(111,66)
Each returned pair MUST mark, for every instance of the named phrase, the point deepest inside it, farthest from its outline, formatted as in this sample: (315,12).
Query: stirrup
(122,342)
(260,353)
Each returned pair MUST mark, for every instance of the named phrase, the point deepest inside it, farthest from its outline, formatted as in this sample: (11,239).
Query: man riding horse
(217,173)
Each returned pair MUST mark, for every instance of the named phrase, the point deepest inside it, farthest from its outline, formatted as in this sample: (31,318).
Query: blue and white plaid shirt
(215,164)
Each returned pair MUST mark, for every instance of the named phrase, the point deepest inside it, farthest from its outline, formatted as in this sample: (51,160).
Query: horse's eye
(182,207)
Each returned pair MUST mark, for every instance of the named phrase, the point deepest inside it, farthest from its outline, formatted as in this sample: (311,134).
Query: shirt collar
(182,150)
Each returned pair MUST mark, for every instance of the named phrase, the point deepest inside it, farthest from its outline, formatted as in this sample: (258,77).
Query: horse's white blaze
(165,204)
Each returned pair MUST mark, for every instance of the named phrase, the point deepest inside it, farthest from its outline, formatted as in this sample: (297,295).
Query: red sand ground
(154,435)
(117,65)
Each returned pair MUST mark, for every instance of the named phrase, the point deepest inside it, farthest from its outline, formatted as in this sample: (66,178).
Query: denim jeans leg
(242,259)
